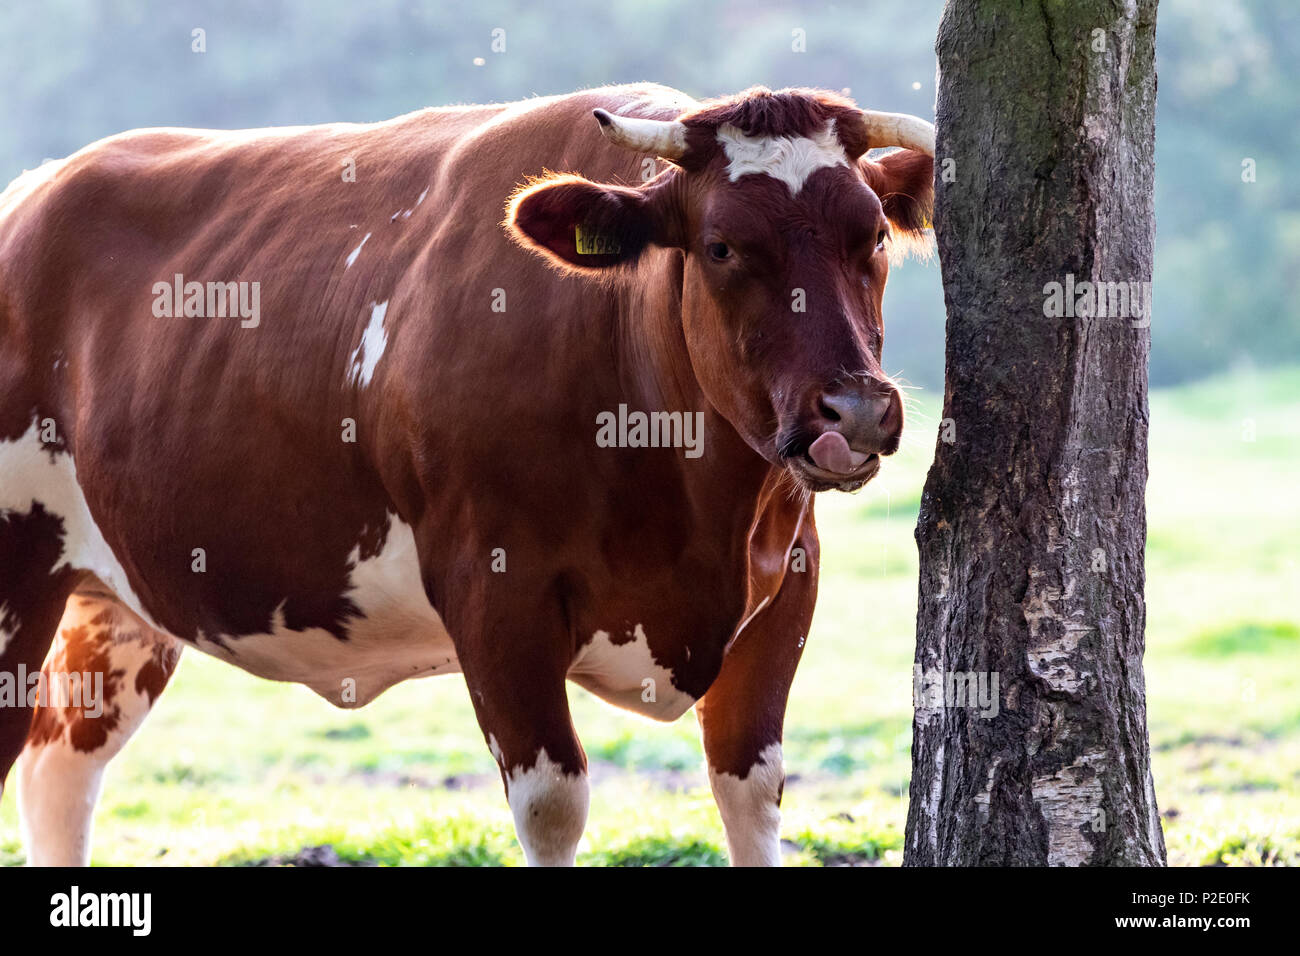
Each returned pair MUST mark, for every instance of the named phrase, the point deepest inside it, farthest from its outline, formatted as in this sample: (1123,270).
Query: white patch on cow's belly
(33,471)
(791,159)
(627,675)
(399,637)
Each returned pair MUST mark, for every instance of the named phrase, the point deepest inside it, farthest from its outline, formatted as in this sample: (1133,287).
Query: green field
(231,769)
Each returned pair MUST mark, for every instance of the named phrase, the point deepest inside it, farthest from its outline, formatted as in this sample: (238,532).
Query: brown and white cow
(298,398)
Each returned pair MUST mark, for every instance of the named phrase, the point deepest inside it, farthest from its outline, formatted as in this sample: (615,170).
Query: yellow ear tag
(593,244)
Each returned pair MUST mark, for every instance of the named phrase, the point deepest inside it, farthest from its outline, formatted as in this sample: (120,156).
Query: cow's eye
(718,251)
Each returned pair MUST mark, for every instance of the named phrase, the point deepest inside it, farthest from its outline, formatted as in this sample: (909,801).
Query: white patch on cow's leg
(61,769)
(58,788)
(791,159)
(550,810)
(751,811)
(361,366)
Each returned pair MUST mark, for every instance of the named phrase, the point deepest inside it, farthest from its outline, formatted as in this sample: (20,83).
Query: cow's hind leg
(103,674)
(33,591)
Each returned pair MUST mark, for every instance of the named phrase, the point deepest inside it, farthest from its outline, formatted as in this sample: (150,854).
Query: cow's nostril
(840,404)
(891,422)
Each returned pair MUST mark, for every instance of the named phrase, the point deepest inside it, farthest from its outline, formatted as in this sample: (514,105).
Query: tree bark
(1033,519)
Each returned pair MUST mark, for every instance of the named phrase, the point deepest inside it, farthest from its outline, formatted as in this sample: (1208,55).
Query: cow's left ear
(580,225)
(904,181)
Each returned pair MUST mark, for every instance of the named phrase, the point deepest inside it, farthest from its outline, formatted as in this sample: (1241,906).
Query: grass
(236,771)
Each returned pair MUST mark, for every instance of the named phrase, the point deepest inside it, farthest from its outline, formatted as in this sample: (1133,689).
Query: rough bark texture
(1033,520)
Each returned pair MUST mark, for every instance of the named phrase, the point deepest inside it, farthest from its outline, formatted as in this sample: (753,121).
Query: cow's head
(786,229)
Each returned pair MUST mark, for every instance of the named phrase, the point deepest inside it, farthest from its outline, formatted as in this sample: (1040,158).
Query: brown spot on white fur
(61,768)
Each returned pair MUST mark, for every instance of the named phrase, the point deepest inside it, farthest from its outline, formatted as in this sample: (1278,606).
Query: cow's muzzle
(840,444)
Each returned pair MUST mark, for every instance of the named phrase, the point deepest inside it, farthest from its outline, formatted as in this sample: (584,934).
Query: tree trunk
(1033,519)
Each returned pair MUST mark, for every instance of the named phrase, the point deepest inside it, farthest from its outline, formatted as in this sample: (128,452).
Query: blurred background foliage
(1227,252)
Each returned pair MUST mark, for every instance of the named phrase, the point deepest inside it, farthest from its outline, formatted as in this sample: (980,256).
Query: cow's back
(326,219)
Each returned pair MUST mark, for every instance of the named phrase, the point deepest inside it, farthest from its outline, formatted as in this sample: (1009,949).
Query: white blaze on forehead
(791,159)
(361,366)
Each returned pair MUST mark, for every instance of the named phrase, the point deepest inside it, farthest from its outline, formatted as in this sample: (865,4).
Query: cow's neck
(655,372)
(750,509)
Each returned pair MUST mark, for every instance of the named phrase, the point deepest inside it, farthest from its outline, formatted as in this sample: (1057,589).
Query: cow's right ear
(904,181)
(581,225)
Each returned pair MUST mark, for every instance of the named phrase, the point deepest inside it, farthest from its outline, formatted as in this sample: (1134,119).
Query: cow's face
(786,232)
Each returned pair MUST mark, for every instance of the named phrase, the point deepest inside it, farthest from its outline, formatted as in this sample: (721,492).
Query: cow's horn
(663,138)
(898,129)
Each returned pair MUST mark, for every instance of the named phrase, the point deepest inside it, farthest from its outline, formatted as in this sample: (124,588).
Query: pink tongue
(831,452)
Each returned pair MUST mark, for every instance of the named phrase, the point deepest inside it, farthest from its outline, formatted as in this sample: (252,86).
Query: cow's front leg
(519,695)
(742,716)
(542,765)
(547,789)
